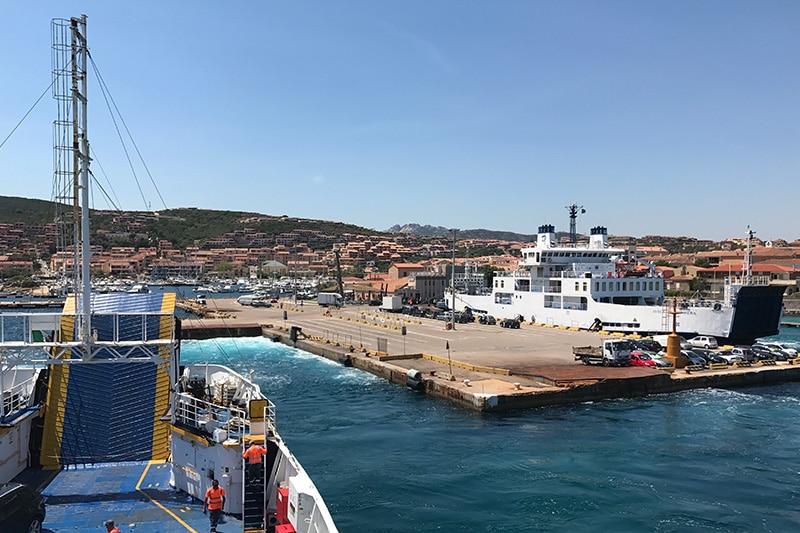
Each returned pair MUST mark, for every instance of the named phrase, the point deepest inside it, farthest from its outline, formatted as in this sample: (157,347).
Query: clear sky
(660,117)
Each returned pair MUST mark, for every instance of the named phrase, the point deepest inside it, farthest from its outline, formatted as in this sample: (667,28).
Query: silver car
(704,341)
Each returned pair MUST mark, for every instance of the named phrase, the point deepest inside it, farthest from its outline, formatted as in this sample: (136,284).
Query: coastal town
(372,264)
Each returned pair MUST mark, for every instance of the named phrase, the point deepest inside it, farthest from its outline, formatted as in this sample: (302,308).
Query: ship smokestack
(598,238)
(547,236)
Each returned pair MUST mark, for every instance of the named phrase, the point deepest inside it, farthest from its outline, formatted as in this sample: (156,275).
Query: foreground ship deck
(136,495)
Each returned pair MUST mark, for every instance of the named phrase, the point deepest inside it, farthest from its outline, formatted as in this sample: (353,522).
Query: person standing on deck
(110,527)
(254,455)
(214,502)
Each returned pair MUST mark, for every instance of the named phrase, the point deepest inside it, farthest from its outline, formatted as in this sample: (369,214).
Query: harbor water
(388,459)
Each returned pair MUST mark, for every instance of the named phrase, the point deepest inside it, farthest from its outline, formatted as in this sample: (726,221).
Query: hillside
(183,227)
(439,231)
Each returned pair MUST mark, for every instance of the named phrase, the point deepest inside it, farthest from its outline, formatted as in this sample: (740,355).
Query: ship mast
(71,147)
(747,264)
(573,215)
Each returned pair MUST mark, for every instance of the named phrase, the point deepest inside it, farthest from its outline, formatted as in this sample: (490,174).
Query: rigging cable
(26,114)
(114,111)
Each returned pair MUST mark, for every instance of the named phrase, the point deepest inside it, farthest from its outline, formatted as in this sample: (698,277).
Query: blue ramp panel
(111,408)
(109,413)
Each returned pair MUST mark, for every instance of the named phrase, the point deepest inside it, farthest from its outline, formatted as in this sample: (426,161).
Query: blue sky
(665,118)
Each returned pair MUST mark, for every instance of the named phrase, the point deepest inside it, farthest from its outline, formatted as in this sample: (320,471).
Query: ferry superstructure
(591,287)
(99,387)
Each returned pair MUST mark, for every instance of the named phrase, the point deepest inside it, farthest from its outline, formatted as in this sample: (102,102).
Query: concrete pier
(481,367)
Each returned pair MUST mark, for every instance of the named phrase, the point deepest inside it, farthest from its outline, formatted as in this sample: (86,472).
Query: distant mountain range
(439,231)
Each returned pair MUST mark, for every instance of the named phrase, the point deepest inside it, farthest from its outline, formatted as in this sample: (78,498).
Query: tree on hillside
(698,284)
(702,262)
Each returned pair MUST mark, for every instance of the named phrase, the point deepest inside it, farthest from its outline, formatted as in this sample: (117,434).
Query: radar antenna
(573,215)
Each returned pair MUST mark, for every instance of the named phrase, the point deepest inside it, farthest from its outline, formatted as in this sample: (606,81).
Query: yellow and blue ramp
(109,409)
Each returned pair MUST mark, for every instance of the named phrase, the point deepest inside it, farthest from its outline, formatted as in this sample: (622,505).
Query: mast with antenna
(71,152)
(573,215)
(747,264)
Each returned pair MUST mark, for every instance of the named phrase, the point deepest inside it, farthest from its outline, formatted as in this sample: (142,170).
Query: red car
(641,359)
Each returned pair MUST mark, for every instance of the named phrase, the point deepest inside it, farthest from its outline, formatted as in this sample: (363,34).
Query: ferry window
(637,285)
(651,285)
(604,286)
(537,257)
(624,285)
(618,286)
(584,286)
(596,286)
(577,286)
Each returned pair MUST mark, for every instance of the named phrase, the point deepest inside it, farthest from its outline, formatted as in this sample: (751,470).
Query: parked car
(779,354)
(693,358)
(640,358)
(487,319)
(790,350)
(704,341)
(762,353)
(21,508)
(709,356)
(662,362)
(463,318)
(730,357)
(509,323)
(745,352)
(662,340)
(648,344)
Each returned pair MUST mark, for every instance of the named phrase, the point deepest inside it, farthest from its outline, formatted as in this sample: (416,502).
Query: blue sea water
(387,459)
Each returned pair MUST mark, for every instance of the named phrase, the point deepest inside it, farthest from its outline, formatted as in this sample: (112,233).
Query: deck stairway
(256,495)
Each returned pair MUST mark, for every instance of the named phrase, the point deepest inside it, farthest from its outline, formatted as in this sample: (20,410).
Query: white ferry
(591,287)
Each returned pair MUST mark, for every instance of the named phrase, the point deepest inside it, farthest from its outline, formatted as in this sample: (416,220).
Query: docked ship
(594,287)
(99,389)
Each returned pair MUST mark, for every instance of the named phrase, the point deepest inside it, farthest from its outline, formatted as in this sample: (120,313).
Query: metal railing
(17,398)
(45,329)
(201,415)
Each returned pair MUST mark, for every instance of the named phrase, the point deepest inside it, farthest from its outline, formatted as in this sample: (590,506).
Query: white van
(662,340)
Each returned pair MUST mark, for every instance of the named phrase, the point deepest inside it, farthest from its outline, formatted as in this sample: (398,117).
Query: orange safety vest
(253,453)
(214,497)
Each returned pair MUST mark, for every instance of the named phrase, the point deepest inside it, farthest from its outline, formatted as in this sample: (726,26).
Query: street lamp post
(453,284)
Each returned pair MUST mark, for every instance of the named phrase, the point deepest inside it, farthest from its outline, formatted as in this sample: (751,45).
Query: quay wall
(524,398)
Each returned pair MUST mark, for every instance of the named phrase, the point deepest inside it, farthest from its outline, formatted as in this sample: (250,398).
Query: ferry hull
(756,314)
(759,309)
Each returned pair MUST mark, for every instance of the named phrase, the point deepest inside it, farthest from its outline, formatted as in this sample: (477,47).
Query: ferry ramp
(106,410)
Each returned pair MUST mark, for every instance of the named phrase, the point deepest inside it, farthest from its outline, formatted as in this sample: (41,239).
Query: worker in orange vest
(254,455)
(110,527)
(214,502)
